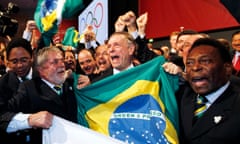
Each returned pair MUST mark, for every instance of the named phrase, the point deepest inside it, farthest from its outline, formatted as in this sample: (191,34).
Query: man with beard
(37,100)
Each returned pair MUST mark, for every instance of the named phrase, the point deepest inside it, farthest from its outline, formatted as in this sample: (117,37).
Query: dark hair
(72,51)
(224,53)
(186,32)
(89,50)
(159,49)
(235,33)
(19,42)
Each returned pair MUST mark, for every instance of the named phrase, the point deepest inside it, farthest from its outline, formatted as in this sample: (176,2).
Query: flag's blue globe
(139,120)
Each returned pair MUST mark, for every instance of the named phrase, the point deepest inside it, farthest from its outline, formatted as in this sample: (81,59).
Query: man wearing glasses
(19,62)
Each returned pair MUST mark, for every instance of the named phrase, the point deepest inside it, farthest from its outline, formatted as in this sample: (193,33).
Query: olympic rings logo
(93,18)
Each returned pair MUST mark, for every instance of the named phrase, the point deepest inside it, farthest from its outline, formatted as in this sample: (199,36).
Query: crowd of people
(36,82)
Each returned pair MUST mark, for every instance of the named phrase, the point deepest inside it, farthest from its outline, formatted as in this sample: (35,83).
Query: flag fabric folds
(71,37)
(135,106)
(49,13)
(65,132)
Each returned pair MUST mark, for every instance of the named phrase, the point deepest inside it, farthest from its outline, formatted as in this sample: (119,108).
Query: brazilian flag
(71,37)
(49,13)
(136,106)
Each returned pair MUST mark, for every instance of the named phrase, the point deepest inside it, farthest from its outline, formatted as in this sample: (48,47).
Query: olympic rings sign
(96,14)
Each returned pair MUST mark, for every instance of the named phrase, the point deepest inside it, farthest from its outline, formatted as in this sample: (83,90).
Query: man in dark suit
(19,57)
(208,72)
(37,100)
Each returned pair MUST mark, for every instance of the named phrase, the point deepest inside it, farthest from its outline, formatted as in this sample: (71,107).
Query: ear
(228,68)
(7,63)
(39,69)
(131,49)
(32,60)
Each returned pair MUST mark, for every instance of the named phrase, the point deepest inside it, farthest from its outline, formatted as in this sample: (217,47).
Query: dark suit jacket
(33,96)
(218,125)
(9,84)
(174,58)
(143,54)
(102,75)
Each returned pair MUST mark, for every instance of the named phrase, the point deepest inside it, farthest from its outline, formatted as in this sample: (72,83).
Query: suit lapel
(215,115)
(13,81)
(187,112)
(48,93)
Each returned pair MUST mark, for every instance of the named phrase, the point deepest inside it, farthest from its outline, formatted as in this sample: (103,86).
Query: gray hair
(42,54)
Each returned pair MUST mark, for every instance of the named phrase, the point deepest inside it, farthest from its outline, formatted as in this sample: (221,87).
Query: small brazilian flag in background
(49,13)
(71,37)
(136,106)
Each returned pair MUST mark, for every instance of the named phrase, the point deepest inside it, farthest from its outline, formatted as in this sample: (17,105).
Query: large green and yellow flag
(136,106)
(49,13)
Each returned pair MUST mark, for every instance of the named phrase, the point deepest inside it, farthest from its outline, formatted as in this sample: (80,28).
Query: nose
(19,64)
(196,66)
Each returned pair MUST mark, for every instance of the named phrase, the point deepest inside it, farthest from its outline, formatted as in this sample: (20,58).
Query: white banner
(66,132)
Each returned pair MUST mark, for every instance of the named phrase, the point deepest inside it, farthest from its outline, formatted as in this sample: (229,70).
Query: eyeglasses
(23,60)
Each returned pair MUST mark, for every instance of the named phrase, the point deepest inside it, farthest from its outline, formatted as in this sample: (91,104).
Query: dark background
(27,9)
(116,8)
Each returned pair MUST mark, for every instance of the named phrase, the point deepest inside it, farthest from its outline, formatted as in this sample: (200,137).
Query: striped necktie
(58,89)
(200,107)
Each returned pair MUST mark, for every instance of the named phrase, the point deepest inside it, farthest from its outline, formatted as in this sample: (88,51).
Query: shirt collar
(48,83)
(237,53)
(212,97)
(28,76)
(116,71)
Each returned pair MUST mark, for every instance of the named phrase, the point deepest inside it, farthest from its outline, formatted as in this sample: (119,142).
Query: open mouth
(114,57)
(199,81)
(70,62)
(102,62)
(87,69)
(61,71)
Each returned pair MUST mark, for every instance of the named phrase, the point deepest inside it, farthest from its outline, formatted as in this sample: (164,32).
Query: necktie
(58,89)
(200,107)
(236,63)
(24,78)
